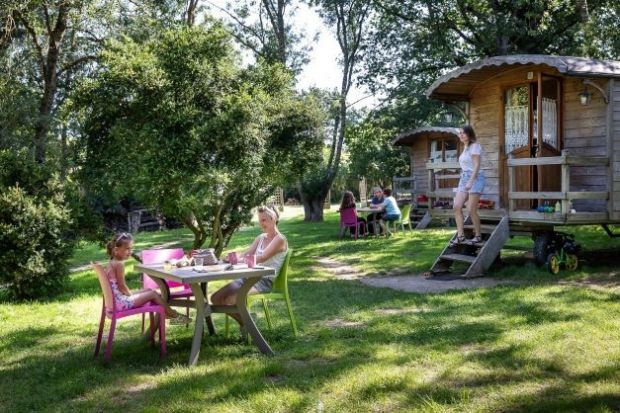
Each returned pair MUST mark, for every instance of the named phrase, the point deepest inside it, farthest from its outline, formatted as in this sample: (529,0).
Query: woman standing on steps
(471,185)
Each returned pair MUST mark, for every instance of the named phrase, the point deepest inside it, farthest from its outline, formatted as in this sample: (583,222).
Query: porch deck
(530,219)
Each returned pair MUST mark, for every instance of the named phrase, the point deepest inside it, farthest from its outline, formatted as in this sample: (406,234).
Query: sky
(323,70)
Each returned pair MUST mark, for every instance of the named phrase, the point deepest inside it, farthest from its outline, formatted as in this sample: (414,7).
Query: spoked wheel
(571,262)
(553,263)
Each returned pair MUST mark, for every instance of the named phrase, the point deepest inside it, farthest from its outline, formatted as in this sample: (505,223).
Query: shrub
(34,235)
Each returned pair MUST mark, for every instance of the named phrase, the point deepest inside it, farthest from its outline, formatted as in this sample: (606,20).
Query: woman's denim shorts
(264,285)
(478,185)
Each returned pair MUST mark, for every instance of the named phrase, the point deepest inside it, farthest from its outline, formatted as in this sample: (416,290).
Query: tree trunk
(191,12)
(275,11)
(42,125)
(349,34)
(48,64)
(200,235)
(64,162)
(313,208)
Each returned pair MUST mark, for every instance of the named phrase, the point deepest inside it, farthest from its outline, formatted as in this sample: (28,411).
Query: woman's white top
(466,161)
(277,260)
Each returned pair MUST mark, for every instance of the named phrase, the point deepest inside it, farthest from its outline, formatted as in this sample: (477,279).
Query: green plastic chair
(404,219)
(279,291)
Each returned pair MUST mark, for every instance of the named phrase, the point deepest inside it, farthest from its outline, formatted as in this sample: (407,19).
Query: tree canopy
(177,123)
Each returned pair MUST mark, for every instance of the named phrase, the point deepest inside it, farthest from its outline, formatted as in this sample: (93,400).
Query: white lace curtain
(550,122)
(516,126)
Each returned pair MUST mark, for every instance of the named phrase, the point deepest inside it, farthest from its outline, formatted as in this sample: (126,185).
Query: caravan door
(521,131)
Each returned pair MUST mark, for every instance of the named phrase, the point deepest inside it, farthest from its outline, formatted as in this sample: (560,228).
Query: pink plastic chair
(110,310)
(348,219)
(177,289)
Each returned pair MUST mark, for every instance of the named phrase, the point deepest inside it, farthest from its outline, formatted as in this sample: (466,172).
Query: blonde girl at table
(270,249)
(470,187)
(119,249)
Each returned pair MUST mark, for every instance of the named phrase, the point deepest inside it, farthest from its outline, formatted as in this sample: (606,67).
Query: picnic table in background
(370,222)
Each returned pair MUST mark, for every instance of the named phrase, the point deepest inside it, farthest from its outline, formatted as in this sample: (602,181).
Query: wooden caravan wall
(485,106)
(614,131)
(585,133)
(419,157)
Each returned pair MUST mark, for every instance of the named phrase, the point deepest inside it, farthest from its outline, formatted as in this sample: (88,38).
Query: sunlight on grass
(549,343)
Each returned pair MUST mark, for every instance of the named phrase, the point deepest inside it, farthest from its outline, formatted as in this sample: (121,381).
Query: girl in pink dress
(119,249)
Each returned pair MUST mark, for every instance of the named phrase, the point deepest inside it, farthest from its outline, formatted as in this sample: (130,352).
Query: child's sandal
(457,240)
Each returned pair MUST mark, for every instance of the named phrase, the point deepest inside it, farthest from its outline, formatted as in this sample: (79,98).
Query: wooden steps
(484,228)
(420,216)
(476,257)
(459,258)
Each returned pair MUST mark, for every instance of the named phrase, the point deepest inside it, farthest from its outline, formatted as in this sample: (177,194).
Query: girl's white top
(277,260)
(466,160)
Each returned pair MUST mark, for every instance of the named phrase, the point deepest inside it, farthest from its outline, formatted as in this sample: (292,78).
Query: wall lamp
(585,96)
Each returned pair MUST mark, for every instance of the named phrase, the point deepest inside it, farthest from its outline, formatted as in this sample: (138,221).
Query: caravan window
(444,150)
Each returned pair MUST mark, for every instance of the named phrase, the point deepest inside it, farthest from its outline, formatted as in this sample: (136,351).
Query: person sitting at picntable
(390,208)
(374,218)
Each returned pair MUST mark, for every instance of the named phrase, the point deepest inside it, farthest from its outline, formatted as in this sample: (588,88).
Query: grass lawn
(549,343)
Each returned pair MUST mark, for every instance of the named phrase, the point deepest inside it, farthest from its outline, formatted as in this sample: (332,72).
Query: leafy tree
(45,36)
(415,41)
(274,39)
(372,155)
(46,46)
(348,18)
(175,122)
(265,28)
(35,231)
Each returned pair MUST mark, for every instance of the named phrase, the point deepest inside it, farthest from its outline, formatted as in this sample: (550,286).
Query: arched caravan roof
(456,85)
(432,132)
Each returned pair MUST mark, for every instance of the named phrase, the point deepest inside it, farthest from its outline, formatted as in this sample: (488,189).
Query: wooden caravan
(550,130)
(433,158)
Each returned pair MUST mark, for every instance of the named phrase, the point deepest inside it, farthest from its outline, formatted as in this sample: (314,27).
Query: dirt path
(413,283)
(417,283)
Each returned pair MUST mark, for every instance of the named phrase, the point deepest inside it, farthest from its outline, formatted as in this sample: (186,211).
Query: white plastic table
(198,281)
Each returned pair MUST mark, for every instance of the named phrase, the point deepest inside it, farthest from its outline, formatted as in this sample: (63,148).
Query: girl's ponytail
(110,248)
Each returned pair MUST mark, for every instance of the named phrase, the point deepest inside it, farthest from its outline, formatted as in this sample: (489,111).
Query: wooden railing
(565,196)
(435,177)
(404,185)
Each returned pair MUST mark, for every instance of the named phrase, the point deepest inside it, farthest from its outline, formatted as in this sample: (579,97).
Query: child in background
(392,212)
(119,249)
(348,201)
